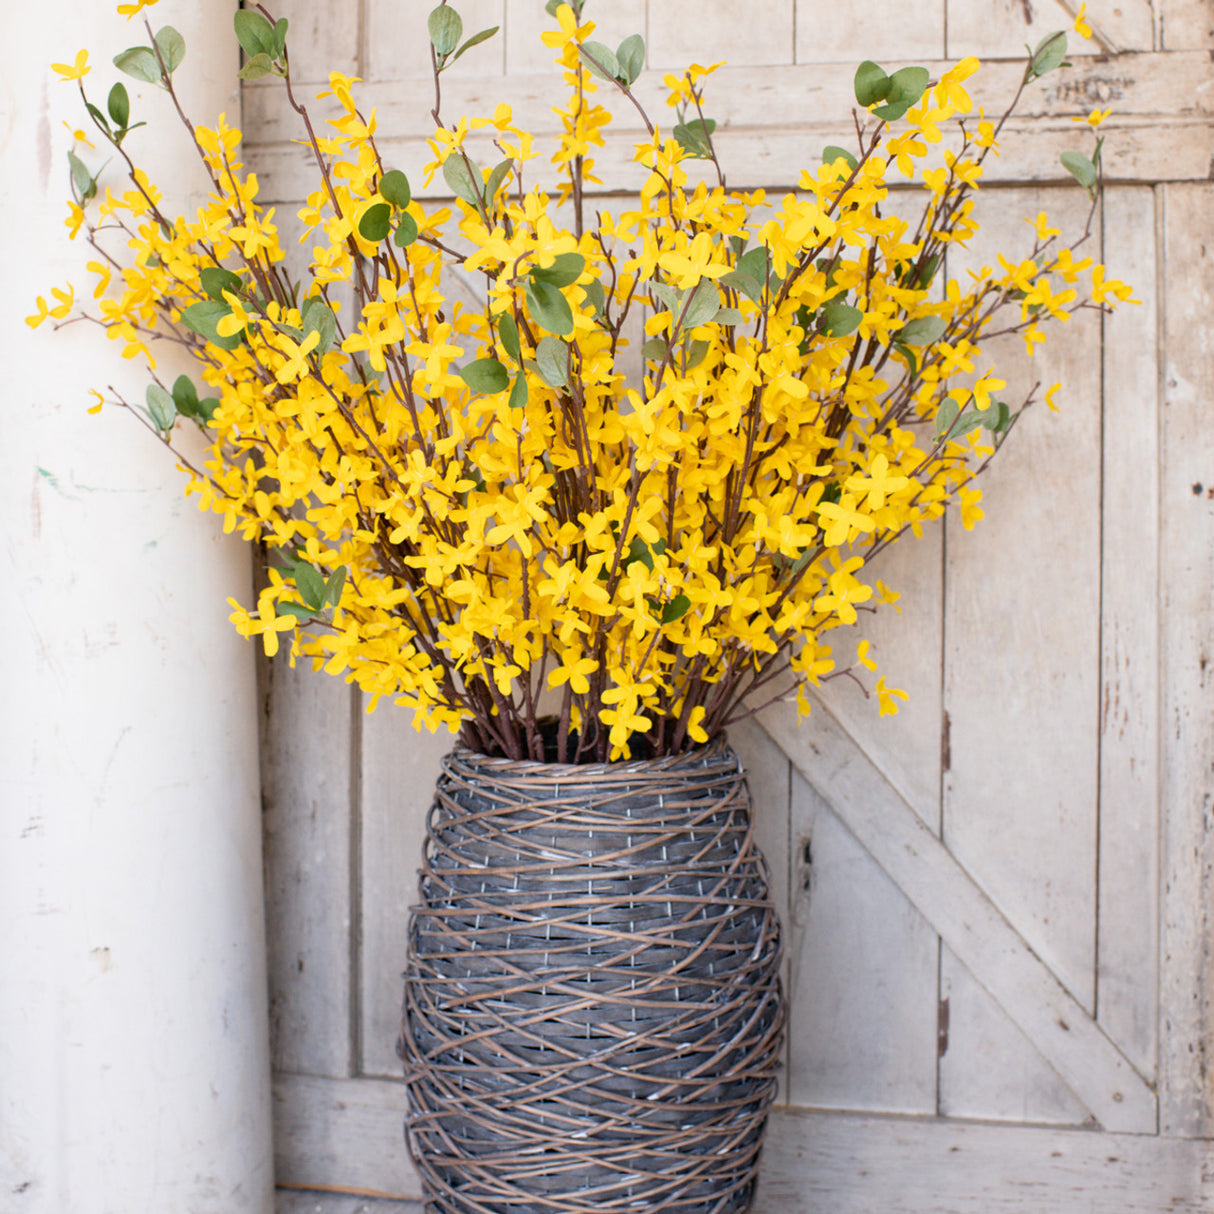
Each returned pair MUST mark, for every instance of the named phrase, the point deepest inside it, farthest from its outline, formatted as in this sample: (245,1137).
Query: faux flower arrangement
(467,509)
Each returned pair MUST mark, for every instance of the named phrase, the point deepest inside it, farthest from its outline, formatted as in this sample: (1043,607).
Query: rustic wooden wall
(996,904)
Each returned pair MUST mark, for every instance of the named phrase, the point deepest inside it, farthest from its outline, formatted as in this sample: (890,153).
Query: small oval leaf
(394,186)
(445,26)
(485,376)
(376,222)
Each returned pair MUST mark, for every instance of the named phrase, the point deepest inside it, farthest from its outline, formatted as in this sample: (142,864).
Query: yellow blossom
(74,71)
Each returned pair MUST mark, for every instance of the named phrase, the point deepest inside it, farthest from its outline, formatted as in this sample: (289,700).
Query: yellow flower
(1081,27)
(78,135)
(1042,226)
(100,401)
(887,698)
(863,658)
(76,71)
(695,730)
(1094,119)
(129,10)
(1049,397)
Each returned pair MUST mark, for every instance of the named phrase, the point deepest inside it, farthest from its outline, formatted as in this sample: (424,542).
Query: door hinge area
(942,1027)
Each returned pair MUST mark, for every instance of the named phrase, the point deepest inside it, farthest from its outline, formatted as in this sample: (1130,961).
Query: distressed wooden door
(996,903)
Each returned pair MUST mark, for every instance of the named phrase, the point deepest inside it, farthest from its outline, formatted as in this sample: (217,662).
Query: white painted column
(134,1071)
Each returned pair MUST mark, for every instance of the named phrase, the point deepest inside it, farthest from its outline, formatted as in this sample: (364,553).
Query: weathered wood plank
(342,1133)
(830,1163)
(1128,911)
(1186,25)
(399,769)
(708,31)
(769,776)
(813,1162)
(398,44)
(773,98)
(318,1201)
(1003,28)
(989,1070)
(1022,629)
(306,770)
(869,29)
(324,36)
(1187,651)
(965,918)
(862,975)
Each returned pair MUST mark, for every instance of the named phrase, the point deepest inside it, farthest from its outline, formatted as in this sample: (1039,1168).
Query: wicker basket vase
(593,1014)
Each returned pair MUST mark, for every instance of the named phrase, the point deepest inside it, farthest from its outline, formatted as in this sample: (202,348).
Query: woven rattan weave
(593,1013)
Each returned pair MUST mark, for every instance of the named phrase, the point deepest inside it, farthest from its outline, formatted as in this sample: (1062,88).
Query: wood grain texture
(306,757)
(342,1133)
(965,918)
(831,1163)
(998,28)
(1187,585)
(324,36)
(317,1201)
(1186,25)
(1127,945)
(813,1163)
(990,1070)
(1022,634)
(868,29)
(399,769)
(708,31)
(862,982)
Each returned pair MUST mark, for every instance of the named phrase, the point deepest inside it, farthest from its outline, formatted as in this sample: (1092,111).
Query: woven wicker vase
(593,1014)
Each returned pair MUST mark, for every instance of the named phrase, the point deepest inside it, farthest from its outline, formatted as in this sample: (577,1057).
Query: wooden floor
(311,1201)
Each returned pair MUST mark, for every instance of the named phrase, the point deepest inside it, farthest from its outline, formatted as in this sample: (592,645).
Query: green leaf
(394,186)
(496,177)
(595,296)
(216,280)
(318,317)
(906,87)
(946,415)
(655,349)
(600,59)
(260,65)
(376,222)
(298,610)
(406,232)
(507,330)
(185,396)
(334,585)
(485,376)
(1049,54)
(676,609)
(921,331)
(254,33)
(565,270)
(704,304)
(97,115)
(638,550)
(672,298)
(139,62)
(840,319)
(119,105)
(458,176)
(1081,168)
(310,583)
(630,57)
(279,38)
(204,317)
(161,408)
(518,392)
(832,153)
(994,417)
(695,137)
(172,48)
(694,355)
(728,316)
(549,308)
(476,40)
(744,284)
(552,356)
(82,179)
(445,26)
(871,84)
